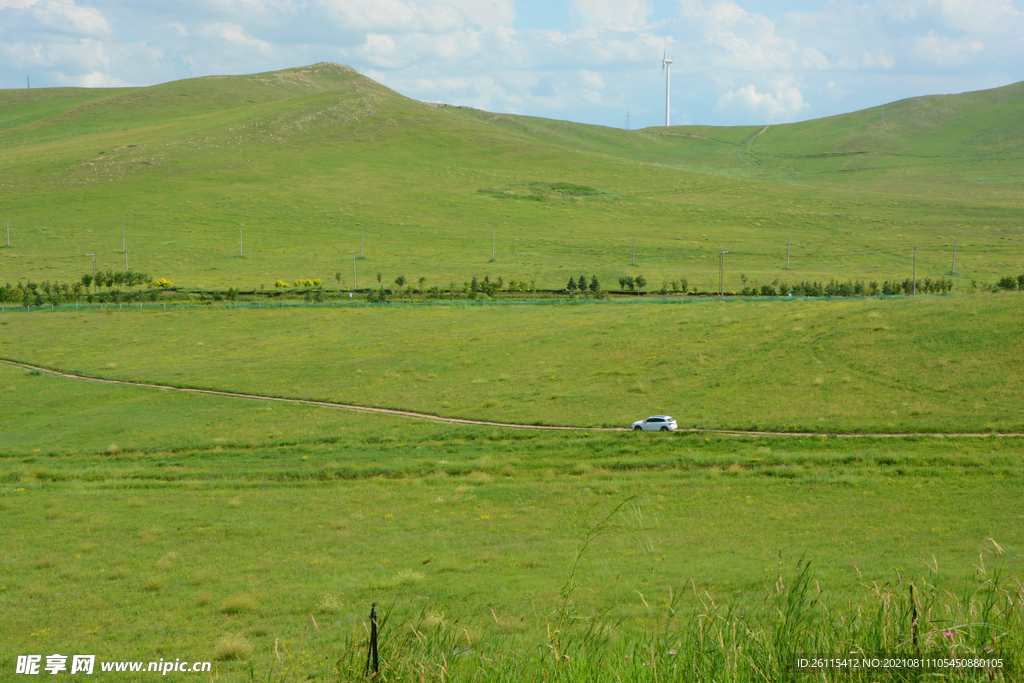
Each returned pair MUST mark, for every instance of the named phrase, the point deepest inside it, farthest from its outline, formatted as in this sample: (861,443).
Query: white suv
(656,423)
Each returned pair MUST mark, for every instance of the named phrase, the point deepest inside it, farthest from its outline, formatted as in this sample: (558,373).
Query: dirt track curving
(485,423)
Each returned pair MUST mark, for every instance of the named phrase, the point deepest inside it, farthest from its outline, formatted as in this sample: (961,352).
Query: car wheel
(664,429)
(637,428)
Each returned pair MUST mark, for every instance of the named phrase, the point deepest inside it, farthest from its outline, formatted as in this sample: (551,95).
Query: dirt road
(486,423)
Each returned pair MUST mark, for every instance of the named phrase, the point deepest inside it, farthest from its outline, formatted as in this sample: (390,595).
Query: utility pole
(915,272)
(355,284)
(93,271)
(721,274)
(634,248)
(953,270)
(125,250)
(627,119)
(789,242)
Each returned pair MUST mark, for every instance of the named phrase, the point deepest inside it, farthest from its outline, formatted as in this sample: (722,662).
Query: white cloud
(777,107)
(813,59)
(379,76)
(588,61)
(449,49)
(98,79)
(978,17)
(592,79)
(727,37)
(945,52)
(487,13)
(481,92)
(380,52)
(249,8)
(394,16)
(64,16)
(418,51)
(618,14)
(547,87)
(235,34)
(79,55)
(879,58)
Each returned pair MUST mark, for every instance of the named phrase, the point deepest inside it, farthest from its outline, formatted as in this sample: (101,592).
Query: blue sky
(591,61)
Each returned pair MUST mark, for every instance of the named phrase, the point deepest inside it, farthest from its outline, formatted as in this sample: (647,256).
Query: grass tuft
(155,583)
(168,561)
(330,603)
(232,646)
(37,590)
(403,577)
(238,604)
(45,562)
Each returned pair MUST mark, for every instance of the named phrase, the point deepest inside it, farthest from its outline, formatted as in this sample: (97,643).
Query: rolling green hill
(304,162)
(977,136)
(254,534)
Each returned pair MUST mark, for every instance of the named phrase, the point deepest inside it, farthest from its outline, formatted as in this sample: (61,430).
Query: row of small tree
(37,294)
(492,287)
(301,282)
(851,288)
(805,288)
(1011,282)
(633,283)
(582,285)
(116,278)
(56,293)
(471,289)
(675,286)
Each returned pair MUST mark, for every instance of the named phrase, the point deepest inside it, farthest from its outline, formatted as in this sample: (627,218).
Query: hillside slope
(307,164)
(976,136)
(947,138)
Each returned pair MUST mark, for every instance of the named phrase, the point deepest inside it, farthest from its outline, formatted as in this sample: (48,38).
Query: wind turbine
(666,66)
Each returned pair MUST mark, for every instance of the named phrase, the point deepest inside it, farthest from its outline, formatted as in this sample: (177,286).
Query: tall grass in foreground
(692,637)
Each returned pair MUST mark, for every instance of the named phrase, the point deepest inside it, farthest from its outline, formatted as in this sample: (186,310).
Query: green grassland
(141,523)
(214,533)
(305,160)
(930,364)
(940,146)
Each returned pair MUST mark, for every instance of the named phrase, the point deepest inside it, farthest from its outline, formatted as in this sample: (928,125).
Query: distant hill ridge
(983,128)
(296,162)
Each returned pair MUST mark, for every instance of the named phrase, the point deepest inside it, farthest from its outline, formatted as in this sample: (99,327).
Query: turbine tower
(666,66)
